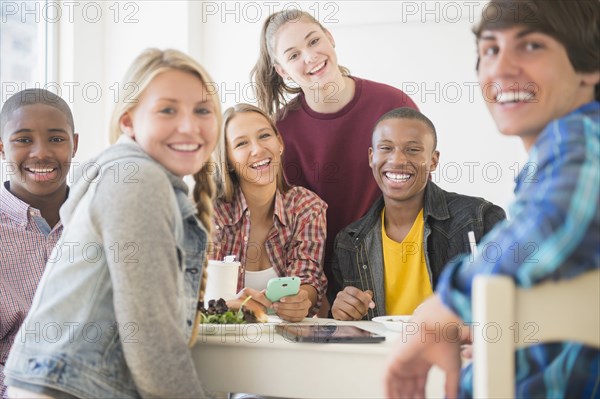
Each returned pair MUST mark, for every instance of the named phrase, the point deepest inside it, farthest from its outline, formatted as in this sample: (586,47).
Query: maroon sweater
(328,153)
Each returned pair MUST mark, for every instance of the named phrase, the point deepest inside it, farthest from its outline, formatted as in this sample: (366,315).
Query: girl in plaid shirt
(274,229)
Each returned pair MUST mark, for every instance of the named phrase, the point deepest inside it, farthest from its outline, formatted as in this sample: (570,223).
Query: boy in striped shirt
(37,142)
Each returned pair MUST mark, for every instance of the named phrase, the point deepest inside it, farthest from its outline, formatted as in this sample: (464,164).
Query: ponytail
(270,87)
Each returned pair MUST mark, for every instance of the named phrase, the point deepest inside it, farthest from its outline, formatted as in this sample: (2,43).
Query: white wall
(96,47)
(423,47)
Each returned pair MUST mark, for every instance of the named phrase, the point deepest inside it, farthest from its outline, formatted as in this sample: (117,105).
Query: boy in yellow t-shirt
(388,262)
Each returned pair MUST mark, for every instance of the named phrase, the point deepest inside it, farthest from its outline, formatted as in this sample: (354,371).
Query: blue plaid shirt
(553,233)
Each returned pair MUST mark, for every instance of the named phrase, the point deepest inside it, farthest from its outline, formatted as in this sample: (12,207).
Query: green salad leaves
(218,313)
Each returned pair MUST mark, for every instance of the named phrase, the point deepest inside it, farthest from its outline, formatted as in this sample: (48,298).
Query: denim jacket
(358,251)
(113,314)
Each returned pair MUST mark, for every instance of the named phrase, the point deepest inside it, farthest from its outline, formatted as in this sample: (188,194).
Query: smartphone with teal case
(280,287)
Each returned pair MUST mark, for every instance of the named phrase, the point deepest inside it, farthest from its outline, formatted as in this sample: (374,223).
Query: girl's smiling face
(253,149)
(174,122)
(305,53)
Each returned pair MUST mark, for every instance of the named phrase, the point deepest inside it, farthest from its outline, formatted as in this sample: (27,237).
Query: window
(24,52)
(23,46)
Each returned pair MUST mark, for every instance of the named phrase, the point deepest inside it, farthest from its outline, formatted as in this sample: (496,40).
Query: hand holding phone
(280,287)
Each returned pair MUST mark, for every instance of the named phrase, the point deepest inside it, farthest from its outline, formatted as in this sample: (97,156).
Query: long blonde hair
(228,180)
(271,89)
(144,68)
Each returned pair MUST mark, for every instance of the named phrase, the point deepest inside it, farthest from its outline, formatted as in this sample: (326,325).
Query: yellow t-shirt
(406,278)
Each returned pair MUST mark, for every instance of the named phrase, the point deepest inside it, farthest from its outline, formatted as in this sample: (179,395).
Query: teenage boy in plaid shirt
(543,57)
(37,142)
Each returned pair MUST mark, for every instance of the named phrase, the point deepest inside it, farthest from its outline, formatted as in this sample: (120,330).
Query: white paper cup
(222,280)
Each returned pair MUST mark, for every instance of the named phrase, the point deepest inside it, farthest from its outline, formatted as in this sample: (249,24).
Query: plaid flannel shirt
(295,244)
(26,242)
(554,233)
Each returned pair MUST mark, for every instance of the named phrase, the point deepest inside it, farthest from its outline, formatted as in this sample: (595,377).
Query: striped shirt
(26,242)
(554,233)
(295,244)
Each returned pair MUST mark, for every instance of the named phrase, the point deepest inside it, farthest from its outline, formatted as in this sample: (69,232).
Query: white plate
(253,329)
(393,323)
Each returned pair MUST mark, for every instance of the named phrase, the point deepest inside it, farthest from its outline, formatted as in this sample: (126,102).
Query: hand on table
(412,357)
(352,304)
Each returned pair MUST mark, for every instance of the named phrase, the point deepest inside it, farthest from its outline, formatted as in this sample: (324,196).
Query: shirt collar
(591,109)
(546,142)
(239,207)
(11,206)
(435,202)
(280,208)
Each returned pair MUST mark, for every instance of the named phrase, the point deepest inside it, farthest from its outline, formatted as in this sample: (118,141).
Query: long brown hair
(271,89)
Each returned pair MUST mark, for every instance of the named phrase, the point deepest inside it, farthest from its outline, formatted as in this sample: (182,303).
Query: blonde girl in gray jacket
(116,309)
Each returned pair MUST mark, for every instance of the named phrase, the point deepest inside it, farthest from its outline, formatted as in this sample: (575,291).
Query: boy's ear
(590,78)
(126,124)
(75,144)
(2,150)
(435,160)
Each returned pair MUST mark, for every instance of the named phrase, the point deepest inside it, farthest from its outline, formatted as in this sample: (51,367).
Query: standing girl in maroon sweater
(327,126)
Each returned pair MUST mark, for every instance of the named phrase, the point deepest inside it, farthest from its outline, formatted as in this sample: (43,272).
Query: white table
(264,363)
